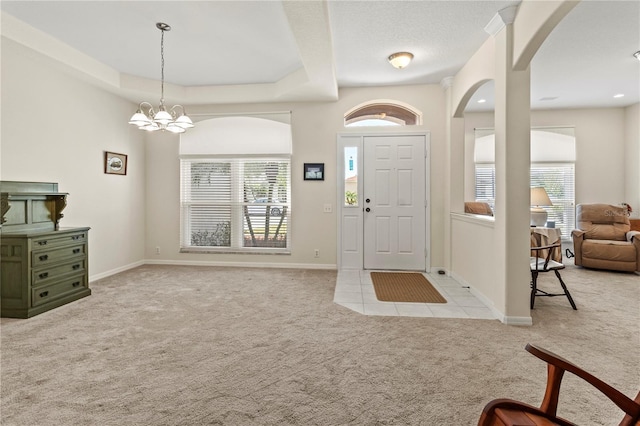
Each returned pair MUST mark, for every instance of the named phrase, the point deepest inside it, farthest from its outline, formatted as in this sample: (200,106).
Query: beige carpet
(404,287)
(162,345)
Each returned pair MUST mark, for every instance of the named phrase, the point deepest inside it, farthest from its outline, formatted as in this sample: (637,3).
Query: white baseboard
(461,281)
(242,264)
(106,274)
(435,270)
(517,320)
(498,314)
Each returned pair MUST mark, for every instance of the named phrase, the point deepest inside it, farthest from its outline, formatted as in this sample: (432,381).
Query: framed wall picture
(114,163)
(313,171)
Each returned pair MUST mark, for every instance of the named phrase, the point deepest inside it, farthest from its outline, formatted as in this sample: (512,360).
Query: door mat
(404,287)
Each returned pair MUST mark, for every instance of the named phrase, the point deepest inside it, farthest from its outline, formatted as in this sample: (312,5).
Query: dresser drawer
(46,257)
(47,274)
(51,292)
(59,240)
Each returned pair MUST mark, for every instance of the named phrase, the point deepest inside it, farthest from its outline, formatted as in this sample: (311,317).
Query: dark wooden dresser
(42,266)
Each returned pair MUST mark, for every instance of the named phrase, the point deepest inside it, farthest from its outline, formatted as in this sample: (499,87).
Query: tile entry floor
(354,290)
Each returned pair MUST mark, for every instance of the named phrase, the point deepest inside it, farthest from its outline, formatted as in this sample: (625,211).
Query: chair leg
(566,290)
(534,287)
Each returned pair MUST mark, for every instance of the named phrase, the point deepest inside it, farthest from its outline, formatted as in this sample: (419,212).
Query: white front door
(393,200)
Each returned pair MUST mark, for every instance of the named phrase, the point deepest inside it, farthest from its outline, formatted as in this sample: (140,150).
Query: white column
(454,167)
(512,125)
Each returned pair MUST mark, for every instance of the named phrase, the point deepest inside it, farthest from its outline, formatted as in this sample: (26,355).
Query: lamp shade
(139,119)
(539,197)
(184,122)
(174,128)
(162,117)
(151,127)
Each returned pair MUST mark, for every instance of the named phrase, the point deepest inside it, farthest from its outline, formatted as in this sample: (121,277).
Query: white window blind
(235,185)
(553,154)
(486,184)
(557,178)
(237,204)
(559,181)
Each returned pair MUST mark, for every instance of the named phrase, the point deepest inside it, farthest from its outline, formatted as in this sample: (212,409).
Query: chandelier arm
(172,110)
(150,112)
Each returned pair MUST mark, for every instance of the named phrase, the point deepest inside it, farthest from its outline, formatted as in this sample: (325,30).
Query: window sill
(483,220)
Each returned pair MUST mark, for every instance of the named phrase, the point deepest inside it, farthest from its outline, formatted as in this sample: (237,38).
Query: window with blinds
(235,204)
(557,178)
(486,184)
(553,155)
(559,181)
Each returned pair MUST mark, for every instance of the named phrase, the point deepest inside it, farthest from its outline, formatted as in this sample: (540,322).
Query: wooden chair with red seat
(507,412)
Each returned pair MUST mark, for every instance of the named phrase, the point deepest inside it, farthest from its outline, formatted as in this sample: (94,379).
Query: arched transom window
(382,114)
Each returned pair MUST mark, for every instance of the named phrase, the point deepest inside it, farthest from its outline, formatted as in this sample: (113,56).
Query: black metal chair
(542,262)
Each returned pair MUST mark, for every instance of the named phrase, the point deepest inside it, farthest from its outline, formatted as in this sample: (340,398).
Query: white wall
(55,128)
(469,259)
(632,158)
(314,127)
(601,175)
(131,215)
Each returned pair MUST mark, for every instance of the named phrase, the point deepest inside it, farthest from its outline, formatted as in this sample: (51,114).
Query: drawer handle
(42,243)
(76,266)
(44,294)
(75,251)
(76,237)
(76,284)
(43,275)
(44,257)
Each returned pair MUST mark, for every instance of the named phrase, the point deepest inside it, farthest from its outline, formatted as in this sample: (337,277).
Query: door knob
(367,210)
(368,200)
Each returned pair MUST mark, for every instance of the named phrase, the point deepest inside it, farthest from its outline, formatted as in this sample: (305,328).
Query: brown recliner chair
(604,239)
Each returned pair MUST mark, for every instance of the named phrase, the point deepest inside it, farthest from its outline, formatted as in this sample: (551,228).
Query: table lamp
(539,198)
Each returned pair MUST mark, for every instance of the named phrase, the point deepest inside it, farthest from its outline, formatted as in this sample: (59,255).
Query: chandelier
(146,118)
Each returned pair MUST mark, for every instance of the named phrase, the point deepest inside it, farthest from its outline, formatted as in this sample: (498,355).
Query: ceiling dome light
(637,55)
(401,59)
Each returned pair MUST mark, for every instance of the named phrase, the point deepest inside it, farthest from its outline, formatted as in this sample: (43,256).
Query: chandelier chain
(162,67)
